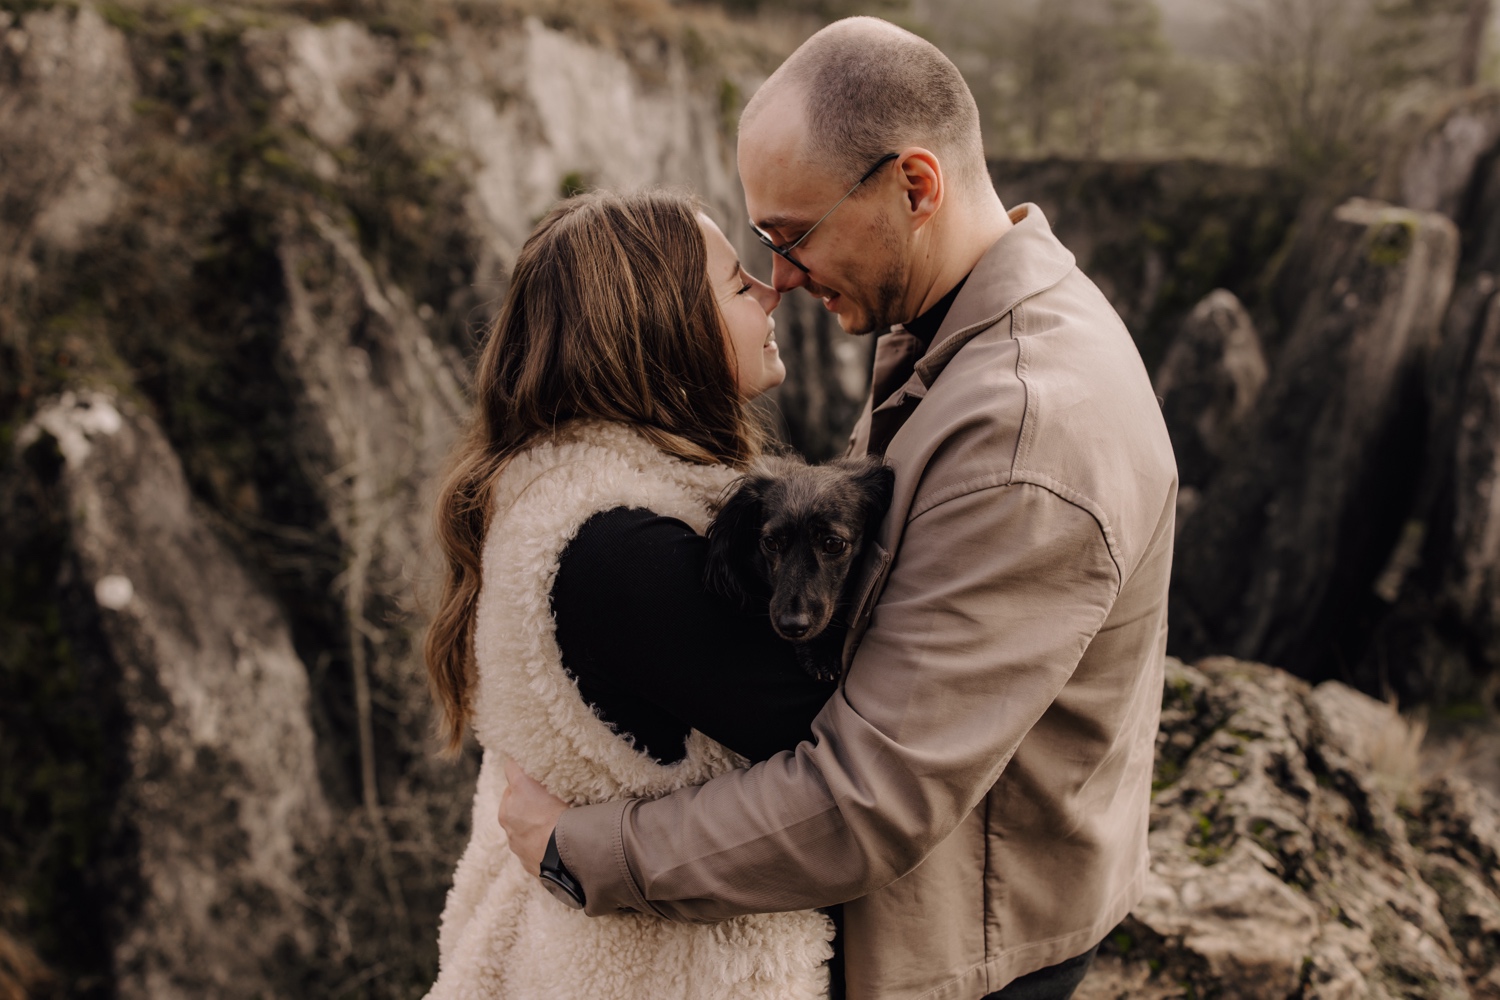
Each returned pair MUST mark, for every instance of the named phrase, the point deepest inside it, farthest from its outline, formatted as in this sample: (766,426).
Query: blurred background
(246,250)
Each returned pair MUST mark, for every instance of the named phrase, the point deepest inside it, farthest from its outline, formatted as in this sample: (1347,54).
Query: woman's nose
(769,297)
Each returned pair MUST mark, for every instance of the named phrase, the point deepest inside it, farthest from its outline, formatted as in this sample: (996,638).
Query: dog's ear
(734,540)
(881,483)
(876,483)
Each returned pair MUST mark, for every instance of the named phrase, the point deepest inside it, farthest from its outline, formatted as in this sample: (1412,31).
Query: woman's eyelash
(743,289)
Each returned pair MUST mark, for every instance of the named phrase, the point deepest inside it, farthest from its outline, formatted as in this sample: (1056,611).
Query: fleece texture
(502,934)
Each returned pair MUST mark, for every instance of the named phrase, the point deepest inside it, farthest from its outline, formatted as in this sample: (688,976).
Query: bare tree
(1472,43)
(1073,77)
(1319,79)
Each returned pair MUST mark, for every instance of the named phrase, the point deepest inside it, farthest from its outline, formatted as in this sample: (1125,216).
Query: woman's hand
(528,814)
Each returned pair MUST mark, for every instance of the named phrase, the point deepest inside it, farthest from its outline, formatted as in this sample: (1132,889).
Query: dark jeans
(1055,982)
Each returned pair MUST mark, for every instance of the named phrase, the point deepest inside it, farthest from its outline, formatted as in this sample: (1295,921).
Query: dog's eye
(834,545)
(769,543)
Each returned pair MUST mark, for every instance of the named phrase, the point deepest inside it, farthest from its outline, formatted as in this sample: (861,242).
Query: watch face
(562,893)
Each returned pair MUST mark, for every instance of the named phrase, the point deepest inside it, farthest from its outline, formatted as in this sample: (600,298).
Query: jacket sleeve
(963,655)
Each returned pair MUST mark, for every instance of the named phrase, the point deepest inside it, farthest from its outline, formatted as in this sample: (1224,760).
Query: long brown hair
(610,315)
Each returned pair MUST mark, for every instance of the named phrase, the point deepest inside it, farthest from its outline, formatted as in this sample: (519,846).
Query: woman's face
(746,306)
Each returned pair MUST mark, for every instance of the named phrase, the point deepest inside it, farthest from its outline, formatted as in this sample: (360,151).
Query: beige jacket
(978,788)
(503,937)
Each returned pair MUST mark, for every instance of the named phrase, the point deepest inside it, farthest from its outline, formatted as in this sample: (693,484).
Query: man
(977,791)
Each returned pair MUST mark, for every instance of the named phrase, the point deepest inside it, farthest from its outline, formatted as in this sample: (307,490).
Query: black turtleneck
(923,328)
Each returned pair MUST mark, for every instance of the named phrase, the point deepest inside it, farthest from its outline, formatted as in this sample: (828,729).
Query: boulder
(1296,852)
(1474,570)
(220,799)
(1436,173)
(1279,560)
(1446,626)
(1443,626)
(1208,383)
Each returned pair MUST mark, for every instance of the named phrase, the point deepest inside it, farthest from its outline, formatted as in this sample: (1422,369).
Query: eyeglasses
(785,252)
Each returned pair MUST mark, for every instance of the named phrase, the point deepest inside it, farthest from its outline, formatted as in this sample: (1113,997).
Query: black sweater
(657,655)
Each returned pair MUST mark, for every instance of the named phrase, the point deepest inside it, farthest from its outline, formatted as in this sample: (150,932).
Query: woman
(610,410)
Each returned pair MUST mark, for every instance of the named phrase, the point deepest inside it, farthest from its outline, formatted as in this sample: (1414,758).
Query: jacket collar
(1028,259)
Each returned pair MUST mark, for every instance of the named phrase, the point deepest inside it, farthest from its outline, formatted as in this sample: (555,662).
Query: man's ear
(923,182)
(734,541)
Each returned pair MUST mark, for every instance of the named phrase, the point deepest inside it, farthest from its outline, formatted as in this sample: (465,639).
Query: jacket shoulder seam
(1028,392)
(1059,489)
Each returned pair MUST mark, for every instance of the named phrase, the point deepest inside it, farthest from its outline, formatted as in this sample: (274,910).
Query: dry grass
(1395,753)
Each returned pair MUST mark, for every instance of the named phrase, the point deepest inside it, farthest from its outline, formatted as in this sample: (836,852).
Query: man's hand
(528,814)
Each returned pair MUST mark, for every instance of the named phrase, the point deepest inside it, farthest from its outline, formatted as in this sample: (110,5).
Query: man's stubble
(889,287)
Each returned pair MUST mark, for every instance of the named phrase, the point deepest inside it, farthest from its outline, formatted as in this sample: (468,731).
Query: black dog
(786,538)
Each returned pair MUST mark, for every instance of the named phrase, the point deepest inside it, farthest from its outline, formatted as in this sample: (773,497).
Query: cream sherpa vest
(502,935)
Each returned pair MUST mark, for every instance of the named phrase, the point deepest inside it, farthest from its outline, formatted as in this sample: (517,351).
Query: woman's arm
(658,655)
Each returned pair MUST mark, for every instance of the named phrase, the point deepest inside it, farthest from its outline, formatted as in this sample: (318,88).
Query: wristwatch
(558,880)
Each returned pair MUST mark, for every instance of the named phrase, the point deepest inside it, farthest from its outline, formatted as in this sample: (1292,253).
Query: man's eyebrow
(781,222)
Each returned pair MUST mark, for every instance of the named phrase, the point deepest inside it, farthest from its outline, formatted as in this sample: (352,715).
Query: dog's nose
(793,626)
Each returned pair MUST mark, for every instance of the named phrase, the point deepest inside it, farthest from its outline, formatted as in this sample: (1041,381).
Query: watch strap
(551,859)
(557,879)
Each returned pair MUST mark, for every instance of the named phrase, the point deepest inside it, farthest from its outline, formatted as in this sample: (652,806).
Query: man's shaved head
(867,88)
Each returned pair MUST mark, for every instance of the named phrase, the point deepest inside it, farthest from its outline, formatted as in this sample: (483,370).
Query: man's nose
(785,276)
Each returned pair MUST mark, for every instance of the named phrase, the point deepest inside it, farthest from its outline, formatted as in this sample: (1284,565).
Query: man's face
(859,259)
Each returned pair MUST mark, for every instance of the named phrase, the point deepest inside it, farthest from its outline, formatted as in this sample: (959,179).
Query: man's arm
(957,666)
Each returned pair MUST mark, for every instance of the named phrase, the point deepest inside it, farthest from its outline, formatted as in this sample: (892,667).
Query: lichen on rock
(1297,854)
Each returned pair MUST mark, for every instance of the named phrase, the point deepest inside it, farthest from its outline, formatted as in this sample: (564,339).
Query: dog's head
(790,533)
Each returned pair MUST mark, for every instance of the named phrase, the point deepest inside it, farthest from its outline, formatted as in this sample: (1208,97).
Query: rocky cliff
(245,253)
